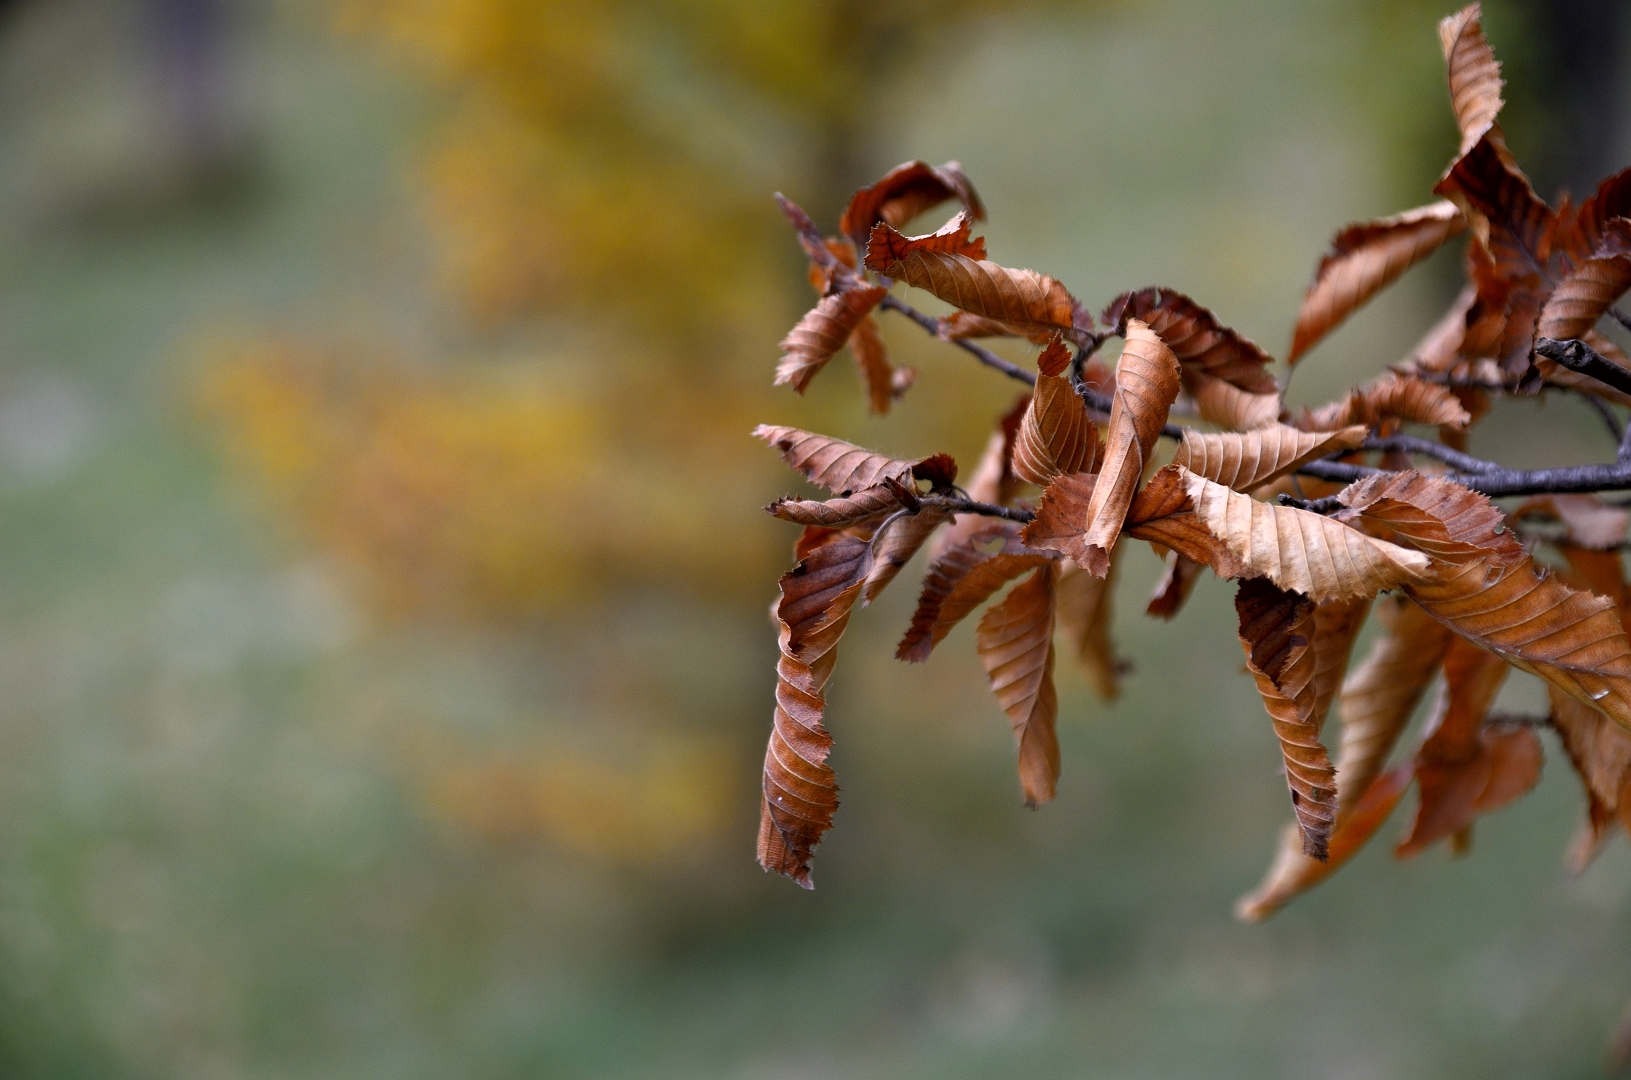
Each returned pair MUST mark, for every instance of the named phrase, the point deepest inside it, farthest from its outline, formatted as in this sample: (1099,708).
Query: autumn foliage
(1327,517)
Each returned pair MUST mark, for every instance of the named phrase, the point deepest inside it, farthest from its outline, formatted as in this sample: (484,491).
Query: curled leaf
(1196,338)
(960,579)
(1230,407)
(824,330)
(1512,221)
(1083,613)
(870,505)
(1146,386)
(1056,435)
(1475,75)
(960,325)
(1244,461)
(1015,642)
(843,467)
(1366,258)
(1394,396)
(800,790)
(1177,581)
(1277,632)
(903,193)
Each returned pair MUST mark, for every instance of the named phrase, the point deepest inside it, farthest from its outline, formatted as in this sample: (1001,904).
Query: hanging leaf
(1172,591)
(962,578)
(1057,435)
(895,545)
(1083,612)
(800,790)
(823,331)
(1146,386)
(1365,259)
(1277,632)
(905,192)
(872,358)
(1244,461)
(843,467)
(1201,343)
(1015,641)
(1511,220)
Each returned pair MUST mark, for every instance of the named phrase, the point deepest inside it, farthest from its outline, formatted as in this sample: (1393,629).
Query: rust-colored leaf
(960,579)
(1015,641)
(1587,291)
(824,330)
(1146,386)
(1172,591)
(1196,338)
(1083,612)
(1163,514)
(960,325)
(869,505)
(800,790)
(1322,558)
(1057,435)
(872,358)
(1512,221)
(955,270)
(905,192)
(1488,589)
(897,541)
(1244,461)
(1475,75)
(1277,632)
(1294,872)
(843,467)
(1366,258)
(1394,396)
(1588,228)
(1228,406)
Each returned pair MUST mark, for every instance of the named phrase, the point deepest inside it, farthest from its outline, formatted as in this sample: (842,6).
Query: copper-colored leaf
(1488,590)
(1015,641)
(1475,76)
(1177,581)
(824,330)
(1587,229)
(960,325)
(1392,397)
(905,192)
(1509,218)
(1322,558)
(1083,603)
(1277,632)
(1230,407)
(843,467)
(1244,461)
(1057,435)
(896,543)
(1587,291)
(1146,386)
(956,271)
(872,357)
(800,790)
(1195,337)
(960,579)
(871,504)
(1365,259)
(1163,514)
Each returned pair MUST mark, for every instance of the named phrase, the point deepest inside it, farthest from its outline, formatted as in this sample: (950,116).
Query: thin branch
(1610,421)
(984,356)
(958,505)
(1409,444)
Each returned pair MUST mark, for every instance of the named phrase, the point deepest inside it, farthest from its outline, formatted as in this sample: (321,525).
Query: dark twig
(959,505)
(1610,421)
(1579,357)
(984,356)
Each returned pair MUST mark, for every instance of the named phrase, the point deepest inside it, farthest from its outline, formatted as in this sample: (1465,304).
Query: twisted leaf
(869,505)
(962,578)
(1247,460)
(843,467)
(1057,435)
(1511,220)
(1015,641)
(1195,336)
(1366,258)
(1475,75)
(905,192)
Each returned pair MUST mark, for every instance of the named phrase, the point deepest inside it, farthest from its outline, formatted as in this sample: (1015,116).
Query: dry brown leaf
(1059,522)
(1057,435)
(1320,557)
(1488,590)
(1590,288)
(897,541)
(1015,641)
(905,192)
(1228,406)
(1581,234)
(1475,75)
(1083,612)
(1294,873)
(954,269)
(1171,592)
(1164,515)
(872,358)
(1394,396)
(1244,461)
(960,325)
(1146,386)
(1277,632)
(867,506)
(960,579)
(1196,338)
(1366,258)
(800,790)
(843,467)
(1512,221)
(824,330)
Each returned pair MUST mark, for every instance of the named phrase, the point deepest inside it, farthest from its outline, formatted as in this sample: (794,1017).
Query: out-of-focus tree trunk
(1581,83)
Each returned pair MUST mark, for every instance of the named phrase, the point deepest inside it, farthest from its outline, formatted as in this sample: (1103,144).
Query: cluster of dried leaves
(1073,471)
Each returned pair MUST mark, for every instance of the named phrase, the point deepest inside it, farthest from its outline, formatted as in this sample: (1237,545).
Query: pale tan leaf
(960,579)
(1083,612)
(1228,406)
(1201,343)
(824,330)
(1057,435)
(1366,258)
(1277,632)
(1393,396)
(903,193)
(1015,642)
(1244,461)
(1146,386)
(843,467)
(800,790)
(954,269)
(1475,75)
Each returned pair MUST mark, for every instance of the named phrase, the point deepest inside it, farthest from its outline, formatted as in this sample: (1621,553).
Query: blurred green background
(382,576)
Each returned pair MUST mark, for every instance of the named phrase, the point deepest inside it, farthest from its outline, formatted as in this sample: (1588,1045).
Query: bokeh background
(384,672)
